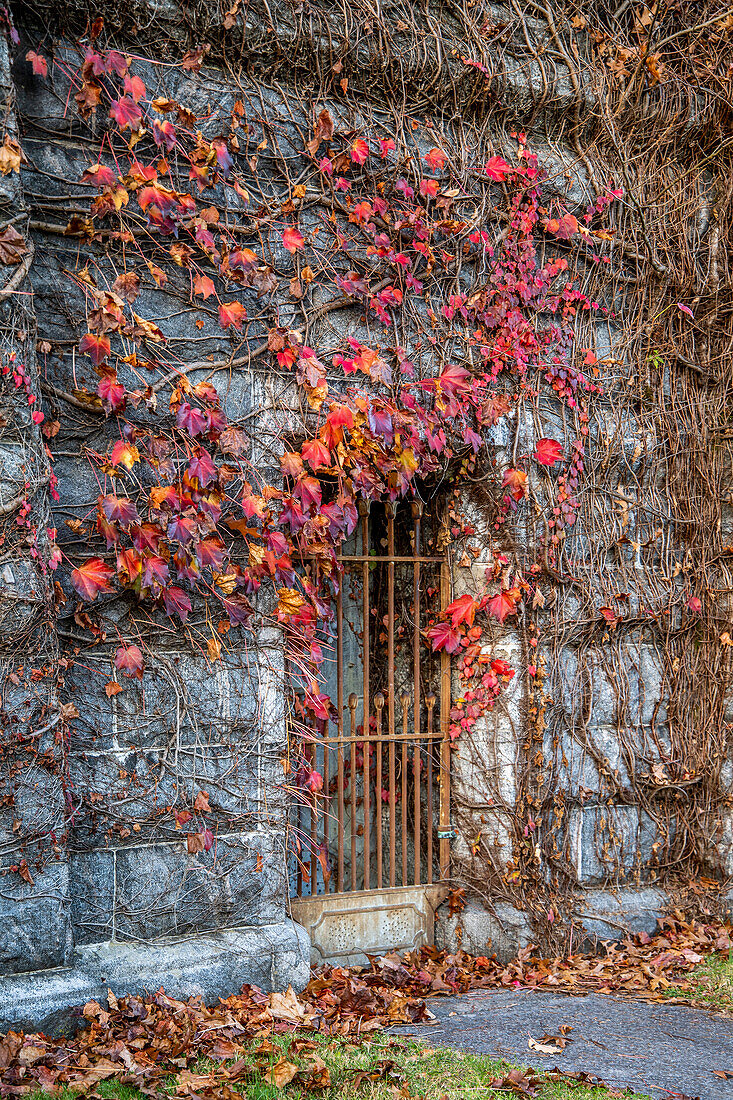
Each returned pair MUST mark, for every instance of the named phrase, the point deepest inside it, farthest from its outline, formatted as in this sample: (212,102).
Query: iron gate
(374,841)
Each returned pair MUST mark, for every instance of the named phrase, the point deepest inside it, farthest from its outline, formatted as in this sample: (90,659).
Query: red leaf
(129,660)
(293,239)
(126,113)
(97,347)
(91,578)
(134,87)
(435,159)
(99,175)
(497,168)
(454,380)
(39,64)
(547,452)
(462,610)
(444,636)
(202,467)
(203,285)
(316,454)
(164,133)
(190,419)
(111,391)
(309,491)
(232,313)
(516,482)
(563,228)
(119,509)
(359,151)
(175,599)
(502,604)
(210,552)
(239,610)
(694,604)
(124,454)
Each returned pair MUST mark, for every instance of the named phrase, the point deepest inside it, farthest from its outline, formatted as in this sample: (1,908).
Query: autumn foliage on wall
(460,319)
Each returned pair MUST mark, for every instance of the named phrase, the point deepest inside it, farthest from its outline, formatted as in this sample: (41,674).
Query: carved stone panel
(345,928)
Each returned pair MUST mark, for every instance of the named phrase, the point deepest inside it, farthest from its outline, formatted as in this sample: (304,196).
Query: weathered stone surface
(132,787)
(611,915)
(161,890)
(92,891)
(271,957)
(35,927)
(607,841)
(480,931)
(180,700)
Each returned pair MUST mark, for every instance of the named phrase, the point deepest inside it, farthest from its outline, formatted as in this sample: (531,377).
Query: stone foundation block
(210,966)
(611,915)
(479,931)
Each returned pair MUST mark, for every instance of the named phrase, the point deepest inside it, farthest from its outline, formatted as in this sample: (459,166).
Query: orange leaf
(231,313)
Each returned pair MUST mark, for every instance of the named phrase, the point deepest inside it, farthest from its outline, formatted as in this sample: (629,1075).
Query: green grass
(418,1072)
(709,985)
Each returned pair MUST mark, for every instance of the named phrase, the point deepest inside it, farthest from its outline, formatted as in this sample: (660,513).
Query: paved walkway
(663,1051)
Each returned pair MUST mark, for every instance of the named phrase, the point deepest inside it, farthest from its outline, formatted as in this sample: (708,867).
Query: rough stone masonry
(618,762)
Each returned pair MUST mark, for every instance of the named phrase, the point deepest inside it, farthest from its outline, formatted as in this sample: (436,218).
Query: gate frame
(348,924)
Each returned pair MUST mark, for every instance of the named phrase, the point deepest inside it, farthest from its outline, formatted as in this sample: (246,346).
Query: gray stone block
(129,796)
(162,890)
(181,700)
(209,966)
(92,895)
(480,931)
(614,842)
(611,915)
(35,929)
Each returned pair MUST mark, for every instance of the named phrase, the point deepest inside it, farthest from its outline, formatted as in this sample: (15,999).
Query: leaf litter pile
(148,1042)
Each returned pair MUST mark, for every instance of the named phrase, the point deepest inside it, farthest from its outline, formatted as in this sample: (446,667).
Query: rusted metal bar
(430,702)
(405,702)
(352,711)
(444,854)
(390,510)
(387,559)
(416,517)
(367,811)
(314,825)
(366,613)
(326,801)
(340,807)
(379,706)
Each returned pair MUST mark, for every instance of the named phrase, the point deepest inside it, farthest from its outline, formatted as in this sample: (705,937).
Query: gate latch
(448,834)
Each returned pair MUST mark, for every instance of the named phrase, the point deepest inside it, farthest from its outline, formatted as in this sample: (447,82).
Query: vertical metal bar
(416,516)
(430,702)
(365,613)
(405,701)
(444,855)
(352,725)
(340,807)
(314,824)
(379,706)
(326,802)
(367,811)
(390,510)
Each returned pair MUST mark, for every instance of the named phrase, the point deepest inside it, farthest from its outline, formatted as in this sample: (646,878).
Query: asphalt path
(659,1050)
